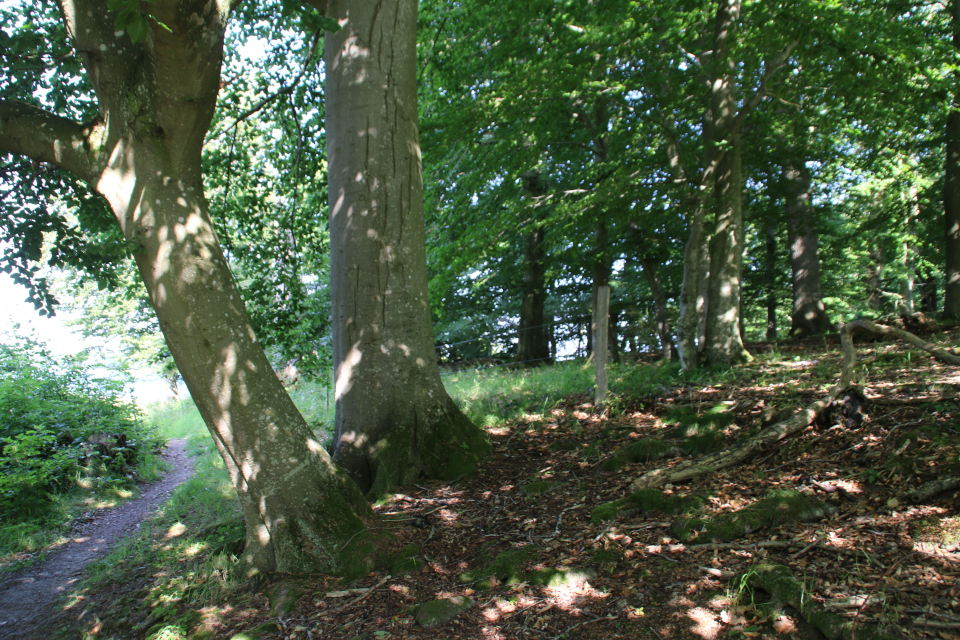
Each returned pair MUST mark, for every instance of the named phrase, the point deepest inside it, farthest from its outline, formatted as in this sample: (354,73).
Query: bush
(58,422)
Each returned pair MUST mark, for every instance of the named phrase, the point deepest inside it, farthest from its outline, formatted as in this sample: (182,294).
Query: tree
(951,186)
(155,93)
(394,418)
(809,315)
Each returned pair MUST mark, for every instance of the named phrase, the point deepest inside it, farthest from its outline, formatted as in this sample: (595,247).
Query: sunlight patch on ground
(175,531)
(705,623)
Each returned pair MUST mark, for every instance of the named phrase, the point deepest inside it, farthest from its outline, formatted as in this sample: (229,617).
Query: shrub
(59,422)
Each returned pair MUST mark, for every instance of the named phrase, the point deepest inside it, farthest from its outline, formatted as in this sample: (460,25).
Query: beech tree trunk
(600,317)
(142,154)
(394,419)
(809,314)
(951,191)
(533,347)
(724,344)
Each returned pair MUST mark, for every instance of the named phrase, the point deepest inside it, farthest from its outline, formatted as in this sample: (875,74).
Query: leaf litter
(521,549)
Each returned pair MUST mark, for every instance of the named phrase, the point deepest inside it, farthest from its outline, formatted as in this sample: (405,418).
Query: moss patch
(778,508)
(256,634)
(407,561)
(437,612)
(506,566)
(646,501)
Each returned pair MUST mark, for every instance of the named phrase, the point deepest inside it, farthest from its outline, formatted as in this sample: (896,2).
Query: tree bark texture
(394,420)
(142,154)
(600,316)
(809,314)
(533,346)
(724,344)
(951,191)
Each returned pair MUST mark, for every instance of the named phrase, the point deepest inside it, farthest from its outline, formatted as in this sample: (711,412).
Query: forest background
(629,178)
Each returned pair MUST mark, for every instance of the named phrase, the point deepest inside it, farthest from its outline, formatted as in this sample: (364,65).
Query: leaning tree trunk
(142,154)
(951,190)
(394,419)
(809,314)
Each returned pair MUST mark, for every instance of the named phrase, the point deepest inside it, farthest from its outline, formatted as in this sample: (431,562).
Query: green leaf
(137,28)
(116,5)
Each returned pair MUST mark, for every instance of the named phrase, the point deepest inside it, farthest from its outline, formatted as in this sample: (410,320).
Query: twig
(804,550)
(781,544)
(936,625)
(326,614)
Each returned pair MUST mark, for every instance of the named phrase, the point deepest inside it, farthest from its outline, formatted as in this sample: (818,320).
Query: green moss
(256,634)
(778,508)
(407,560)
(540,487)
(506,566)
(436,612)
(604,512)
(646,501)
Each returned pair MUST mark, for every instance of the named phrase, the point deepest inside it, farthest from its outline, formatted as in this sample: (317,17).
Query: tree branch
(768,73)
(30,131)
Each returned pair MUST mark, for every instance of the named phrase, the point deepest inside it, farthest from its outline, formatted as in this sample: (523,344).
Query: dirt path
(26,597)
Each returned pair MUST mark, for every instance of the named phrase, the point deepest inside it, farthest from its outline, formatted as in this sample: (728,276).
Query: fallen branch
(779,582)
(744,450)
(930,489)
(783,544)
(741,451)
(356,601)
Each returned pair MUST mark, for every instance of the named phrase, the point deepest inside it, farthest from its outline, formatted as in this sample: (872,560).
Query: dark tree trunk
(809,314)
(951,191)
(533,346)
(394,420)
(659,306)
(770,278)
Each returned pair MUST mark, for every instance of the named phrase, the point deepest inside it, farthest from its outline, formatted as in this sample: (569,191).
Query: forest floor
(526,551)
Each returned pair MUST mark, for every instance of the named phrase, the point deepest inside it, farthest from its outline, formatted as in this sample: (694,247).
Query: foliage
(60,423)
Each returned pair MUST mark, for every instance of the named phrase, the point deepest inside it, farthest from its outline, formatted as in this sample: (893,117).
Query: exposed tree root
(779,582)
(741,451)
(930,489)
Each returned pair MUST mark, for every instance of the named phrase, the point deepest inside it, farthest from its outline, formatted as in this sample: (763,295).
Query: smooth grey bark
(909,278)
(600,316)
(809,315)
(394,419)
(724,344)
(533,346)
(142,154)
(951,191)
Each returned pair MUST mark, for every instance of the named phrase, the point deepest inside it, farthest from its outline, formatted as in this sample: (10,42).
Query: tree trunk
(724,344)
(533,347)
(142,155)
(601,314)
(951,191)
(659,306)
(394,419)
(908,281)
(809,315)
(770,278)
